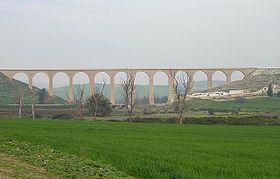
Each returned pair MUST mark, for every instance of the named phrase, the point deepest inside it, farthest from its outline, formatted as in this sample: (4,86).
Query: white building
(236,92)
(199,95)
(218,94)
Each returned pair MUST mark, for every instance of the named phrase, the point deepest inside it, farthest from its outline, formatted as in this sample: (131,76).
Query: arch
(237,76)
(181,75)
(41,80)
(160,79)
(142,81)
(200,81)
(22,77)
(81,79)
(61,85)
(219,78)
(101,78)
(119,77)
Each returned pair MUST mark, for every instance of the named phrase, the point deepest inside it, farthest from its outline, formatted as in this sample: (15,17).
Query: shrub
(99,105)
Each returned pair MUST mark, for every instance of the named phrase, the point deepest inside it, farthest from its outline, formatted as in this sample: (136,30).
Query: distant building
(236,92)
(199,95)
(218,94)
(276,88)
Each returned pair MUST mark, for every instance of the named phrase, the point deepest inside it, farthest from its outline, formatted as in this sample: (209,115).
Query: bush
(99,105)
(63,116)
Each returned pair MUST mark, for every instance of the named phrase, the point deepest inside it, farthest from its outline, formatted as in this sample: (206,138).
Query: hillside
(141,90)
(9,86)
(253,83)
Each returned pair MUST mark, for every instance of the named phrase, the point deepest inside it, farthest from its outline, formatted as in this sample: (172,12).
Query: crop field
(159,150)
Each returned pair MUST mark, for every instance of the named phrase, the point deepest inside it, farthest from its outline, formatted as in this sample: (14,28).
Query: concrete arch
(37,80)
(201,79)
(23,77)
(120,76)
(117,94)
(181,75)
(142,80)
(237,75)
(161,82)
(61,80)
(104,77)
(219,77)
(81,78)
(100,76)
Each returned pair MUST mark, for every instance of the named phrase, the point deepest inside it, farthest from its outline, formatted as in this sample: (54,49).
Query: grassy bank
(160,150)
(40,161)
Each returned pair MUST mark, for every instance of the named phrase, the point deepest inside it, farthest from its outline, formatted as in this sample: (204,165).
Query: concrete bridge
(91,73)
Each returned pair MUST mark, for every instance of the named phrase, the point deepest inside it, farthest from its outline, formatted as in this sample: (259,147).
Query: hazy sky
(139,33)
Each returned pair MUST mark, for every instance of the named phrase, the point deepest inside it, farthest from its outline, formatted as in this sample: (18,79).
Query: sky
(139,33)
(133,33)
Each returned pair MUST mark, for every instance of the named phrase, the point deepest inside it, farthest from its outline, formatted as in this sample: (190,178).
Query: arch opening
(102,78)
(81,82)
(161,87)
(237,76)
(41,80)
(181,78)
(119,78)
(61,85)
(142,82)
(200,81)
(21,77)
(219,78)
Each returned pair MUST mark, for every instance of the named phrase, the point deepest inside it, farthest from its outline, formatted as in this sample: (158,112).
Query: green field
(160,150)
(247,104)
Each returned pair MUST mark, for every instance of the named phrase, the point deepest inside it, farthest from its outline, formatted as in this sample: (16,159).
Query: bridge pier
(112,89)
(50,85)
(152,90)
(70,90)
(209,80)
(91,83)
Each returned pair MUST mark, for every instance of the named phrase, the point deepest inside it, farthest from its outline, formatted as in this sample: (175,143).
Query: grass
(44,158)
(253,104)
(12,167)
(159,150)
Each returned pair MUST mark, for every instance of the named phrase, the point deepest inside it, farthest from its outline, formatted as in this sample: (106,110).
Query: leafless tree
(96,100)
(129,88)
(182,85)
(79,98)
(19,99)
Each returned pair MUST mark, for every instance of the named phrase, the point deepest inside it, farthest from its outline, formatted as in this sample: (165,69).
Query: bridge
(91,73)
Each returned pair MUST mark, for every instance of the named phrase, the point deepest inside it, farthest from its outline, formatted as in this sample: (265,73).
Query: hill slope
(253,83)
(9,86)
(141,90)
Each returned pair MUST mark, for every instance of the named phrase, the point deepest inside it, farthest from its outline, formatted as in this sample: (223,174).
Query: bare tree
(19,99)
(79,98)
(181,88)
(129,88)
(94,100)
